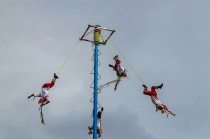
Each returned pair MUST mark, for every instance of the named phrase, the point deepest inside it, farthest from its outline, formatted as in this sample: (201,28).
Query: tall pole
(95,107)
(96,41)
(95,118)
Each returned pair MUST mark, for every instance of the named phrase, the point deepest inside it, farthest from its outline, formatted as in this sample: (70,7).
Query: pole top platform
(97,29)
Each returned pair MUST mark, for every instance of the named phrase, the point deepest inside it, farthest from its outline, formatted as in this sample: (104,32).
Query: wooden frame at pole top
(96,29)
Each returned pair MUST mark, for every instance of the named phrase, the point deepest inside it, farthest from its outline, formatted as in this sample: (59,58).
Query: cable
(109,47)
(139,77)
(68,57)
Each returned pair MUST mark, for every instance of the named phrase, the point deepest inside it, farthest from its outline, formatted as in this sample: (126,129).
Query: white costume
(99,123)
(120,69)
(44,92)
(156,101)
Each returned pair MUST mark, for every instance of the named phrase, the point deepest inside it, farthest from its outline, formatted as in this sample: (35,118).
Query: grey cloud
(166,41)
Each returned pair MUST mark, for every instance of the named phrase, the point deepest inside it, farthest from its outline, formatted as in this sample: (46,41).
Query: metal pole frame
(98,27)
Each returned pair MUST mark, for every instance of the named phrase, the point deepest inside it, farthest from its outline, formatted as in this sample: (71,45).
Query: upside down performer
(120,70)
(44,96)
(153,94)
(44,92)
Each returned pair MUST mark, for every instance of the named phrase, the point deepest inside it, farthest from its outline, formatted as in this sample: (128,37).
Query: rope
(88,33)
(139,77)
(106,85)
(41,116)
(110,49)
(68,57)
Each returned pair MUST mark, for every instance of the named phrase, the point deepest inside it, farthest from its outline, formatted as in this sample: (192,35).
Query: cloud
(118,123)
(165,41)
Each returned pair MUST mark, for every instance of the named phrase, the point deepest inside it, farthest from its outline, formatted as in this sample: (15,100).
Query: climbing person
(120,70)
(44,92)
(153,94)
(99,128)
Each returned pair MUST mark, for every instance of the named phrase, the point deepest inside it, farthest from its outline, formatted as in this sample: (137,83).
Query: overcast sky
(166,41)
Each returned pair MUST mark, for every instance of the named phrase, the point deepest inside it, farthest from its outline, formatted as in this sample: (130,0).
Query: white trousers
(43,93)
(120,69)
(155,101)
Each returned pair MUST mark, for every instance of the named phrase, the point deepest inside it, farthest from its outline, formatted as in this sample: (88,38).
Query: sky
(165,41)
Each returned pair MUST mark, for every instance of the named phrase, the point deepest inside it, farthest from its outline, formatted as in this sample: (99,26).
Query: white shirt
(120,69)
(44,92)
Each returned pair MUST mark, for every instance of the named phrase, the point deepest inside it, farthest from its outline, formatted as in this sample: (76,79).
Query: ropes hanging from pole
(68,57)
(110,49)
(106,85)
(109,46)
(139,77)
(41,116)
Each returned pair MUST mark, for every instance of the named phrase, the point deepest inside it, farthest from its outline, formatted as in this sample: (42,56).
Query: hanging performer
(44,92)
(155,100)
(99,128)
(120,70)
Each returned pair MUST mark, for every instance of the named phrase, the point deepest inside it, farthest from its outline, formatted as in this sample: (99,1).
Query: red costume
(49,85)
(117,62)
(152,92)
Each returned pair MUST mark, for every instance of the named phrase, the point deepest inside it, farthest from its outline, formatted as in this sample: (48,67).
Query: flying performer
(153,94)
(99,128)
(44,92)
(120,70)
